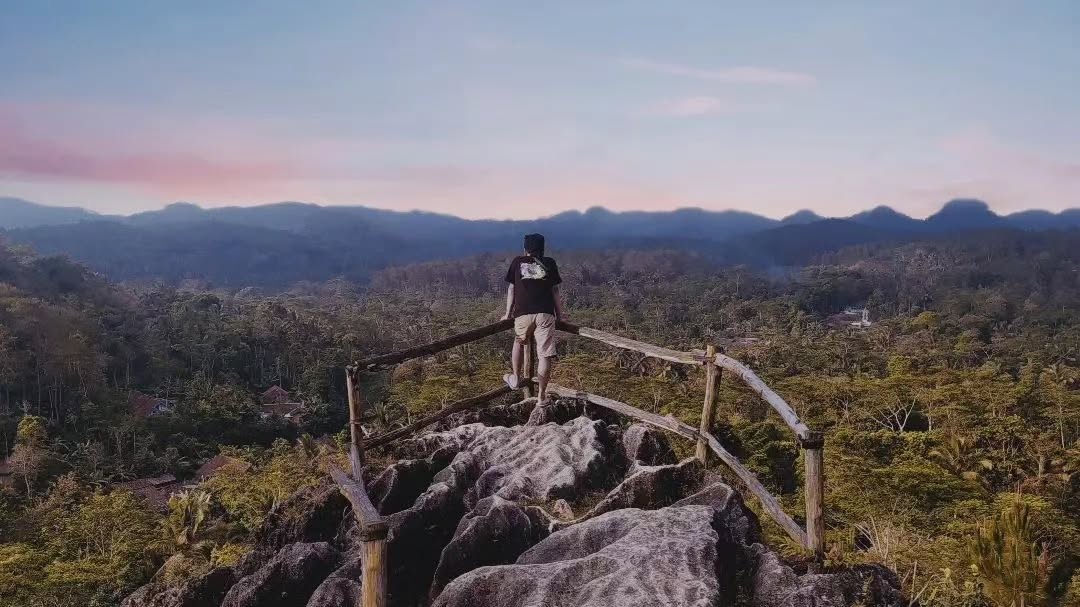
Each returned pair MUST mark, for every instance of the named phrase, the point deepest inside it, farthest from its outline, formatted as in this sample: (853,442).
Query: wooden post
(527,367)
(813,456)
(712,376)
(373,577)
(356,434)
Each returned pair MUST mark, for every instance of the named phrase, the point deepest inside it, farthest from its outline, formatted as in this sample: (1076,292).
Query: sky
(518,110)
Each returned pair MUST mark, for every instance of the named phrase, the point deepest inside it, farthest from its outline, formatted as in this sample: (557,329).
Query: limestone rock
(671,557)
(734,516)
(777,585)
(651,487)
(496,532)
(647,445)
(312,514)
(286,580)
(342,587)
(422,531)
(558,411)
(513,414)
(561,508)
(398,486)
(206,589)
(543,463)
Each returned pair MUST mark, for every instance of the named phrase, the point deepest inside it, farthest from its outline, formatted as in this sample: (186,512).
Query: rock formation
(482,514)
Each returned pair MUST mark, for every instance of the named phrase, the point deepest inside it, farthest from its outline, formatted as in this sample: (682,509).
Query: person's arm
(510,275)
(559,313)
(510,300)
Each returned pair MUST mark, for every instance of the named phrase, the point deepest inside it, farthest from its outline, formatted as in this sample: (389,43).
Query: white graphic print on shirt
(532,271)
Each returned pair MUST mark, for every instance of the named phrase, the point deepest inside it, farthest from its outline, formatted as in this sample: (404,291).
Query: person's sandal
(512,381)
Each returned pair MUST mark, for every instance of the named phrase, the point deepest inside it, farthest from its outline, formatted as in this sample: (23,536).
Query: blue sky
(508,109)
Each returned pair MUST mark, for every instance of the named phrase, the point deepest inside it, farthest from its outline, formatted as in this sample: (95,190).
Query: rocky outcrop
(651,487)
(670,557)
(558,411)
(467,511)
(777,585)
(342,587)
(398,486)
(286,580)
(496,532)
(206,589)
(543,463)
(647,445)
(312,514)
(731,513)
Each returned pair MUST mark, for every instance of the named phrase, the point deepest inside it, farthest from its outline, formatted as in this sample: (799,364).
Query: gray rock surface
(733,515)
(650,487)
(312,514)
(557,411)
(543,463)
(668,558)
(207,589)
(513,414)
(775,584)
(647,445)
(342,587)
(562,509)
(286,580)
(496,532)
(398,486)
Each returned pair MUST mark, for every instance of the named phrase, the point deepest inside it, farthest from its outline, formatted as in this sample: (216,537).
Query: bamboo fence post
(372,534)
(356,434)
(813,456)
(373,577)
(712,376)
(527,366)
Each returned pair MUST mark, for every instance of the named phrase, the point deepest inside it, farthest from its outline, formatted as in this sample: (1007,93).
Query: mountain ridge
(19,213)
(288,242)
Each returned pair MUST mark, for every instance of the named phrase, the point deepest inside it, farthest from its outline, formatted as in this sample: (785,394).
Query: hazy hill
(279,244)
(18,213)
(885,218)
(964,214)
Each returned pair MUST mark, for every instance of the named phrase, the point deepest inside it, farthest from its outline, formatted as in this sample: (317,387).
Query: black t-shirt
(534,280)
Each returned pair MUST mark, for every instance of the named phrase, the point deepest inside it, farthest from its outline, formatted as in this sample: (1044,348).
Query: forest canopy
(952,420)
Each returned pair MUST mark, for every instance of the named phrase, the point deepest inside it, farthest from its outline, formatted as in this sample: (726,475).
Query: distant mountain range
(278,244)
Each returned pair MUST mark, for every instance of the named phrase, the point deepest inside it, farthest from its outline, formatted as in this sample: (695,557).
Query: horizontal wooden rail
(768,502)
(757,385)
(383,361)
(447,411)
(675,356)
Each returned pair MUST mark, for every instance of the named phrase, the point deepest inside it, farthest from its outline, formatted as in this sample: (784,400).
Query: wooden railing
(373,529)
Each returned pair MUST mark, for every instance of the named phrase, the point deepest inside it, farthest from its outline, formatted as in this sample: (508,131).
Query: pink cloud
(731,75)
(29,154)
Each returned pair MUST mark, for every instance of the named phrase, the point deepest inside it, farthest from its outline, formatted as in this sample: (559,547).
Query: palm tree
(960,456)
(188,514)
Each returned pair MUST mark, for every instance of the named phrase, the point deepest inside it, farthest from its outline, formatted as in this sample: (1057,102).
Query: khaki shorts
(541,327)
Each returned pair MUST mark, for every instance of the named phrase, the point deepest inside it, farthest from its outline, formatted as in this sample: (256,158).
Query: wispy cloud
(28,154)
(700,105)
(730,75)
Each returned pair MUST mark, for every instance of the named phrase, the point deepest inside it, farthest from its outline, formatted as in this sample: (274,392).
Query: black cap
(534,244)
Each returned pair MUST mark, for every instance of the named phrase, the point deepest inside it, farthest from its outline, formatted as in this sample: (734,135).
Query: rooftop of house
(155,490)
(275,394)
(218,462)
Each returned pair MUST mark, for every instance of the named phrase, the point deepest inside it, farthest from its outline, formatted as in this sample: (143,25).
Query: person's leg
(522,330)
(543,372)
(545,352)
(516,356)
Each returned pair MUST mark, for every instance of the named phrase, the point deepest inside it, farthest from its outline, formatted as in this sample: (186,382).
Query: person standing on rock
(532,300)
